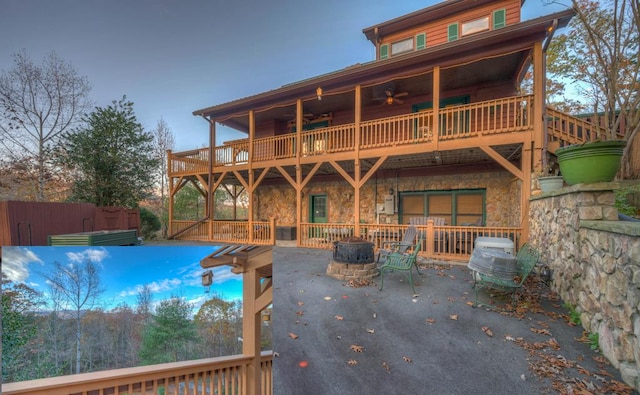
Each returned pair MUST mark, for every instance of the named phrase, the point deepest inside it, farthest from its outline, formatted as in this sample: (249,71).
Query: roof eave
(370,72)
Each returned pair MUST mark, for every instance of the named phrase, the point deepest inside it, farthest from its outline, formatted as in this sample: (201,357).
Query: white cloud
(96,255)
(15,262)
(155,287)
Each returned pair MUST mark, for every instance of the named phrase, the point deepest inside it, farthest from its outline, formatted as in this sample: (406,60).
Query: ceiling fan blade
(401,94)
(396,100)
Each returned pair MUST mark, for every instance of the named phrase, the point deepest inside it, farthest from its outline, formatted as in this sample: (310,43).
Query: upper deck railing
(497,116)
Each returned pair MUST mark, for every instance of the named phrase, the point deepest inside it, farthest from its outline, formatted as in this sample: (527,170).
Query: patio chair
(402,263)
(401,247)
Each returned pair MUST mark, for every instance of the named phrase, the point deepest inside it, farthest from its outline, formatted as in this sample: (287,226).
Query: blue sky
(174,57)
(168,270)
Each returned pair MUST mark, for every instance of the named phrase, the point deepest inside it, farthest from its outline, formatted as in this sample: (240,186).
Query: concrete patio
(332,337)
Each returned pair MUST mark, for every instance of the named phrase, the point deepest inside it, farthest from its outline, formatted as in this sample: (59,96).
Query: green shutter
(453,31)
(421,41)
(384,51)
(499,18)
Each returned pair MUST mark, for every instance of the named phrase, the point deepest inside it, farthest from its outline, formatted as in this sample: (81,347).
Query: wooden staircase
(564,129)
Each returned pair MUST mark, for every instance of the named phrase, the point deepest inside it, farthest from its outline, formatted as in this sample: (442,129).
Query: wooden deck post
(430,238)
(255,264)
(210,191)
(436,107)
(356,168)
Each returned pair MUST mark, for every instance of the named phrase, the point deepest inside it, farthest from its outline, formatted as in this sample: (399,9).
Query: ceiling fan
(391,97)
(306,117)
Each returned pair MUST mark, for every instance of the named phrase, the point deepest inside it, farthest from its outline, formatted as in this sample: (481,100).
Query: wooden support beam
(241,179)
(205,185)
(379,162)
(502,161)
(344,174)
(538,104)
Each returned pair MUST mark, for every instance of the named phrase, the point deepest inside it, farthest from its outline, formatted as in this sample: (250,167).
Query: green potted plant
(596,161)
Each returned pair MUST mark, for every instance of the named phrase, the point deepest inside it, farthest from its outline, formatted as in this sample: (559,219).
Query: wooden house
(435,127)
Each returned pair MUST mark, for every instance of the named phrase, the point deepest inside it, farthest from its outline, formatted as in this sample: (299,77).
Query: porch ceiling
(484,72)
(438,162)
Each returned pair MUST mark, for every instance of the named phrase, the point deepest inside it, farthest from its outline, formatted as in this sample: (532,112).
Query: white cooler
(496,243)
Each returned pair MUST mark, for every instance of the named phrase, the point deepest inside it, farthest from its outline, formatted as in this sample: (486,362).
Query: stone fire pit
(353,259)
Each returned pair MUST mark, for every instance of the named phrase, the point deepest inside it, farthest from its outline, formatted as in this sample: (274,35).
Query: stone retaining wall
(596,266)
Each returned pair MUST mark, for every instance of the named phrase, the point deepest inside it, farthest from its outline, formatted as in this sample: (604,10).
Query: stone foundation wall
(502,197)
(596,266)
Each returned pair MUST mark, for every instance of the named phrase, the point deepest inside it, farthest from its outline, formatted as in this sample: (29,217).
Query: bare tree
(143,303)
(77,285)
(599,55)
(38,103)
(164,140)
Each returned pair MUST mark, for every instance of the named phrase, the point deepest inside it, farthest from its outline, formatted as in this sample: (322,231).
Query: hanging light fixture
(319,93)
(207,278)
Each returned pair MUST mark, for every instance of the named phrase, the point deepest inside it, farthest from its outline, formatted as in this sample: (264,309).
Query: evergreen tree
(171,336)
(113,157)
(19,327)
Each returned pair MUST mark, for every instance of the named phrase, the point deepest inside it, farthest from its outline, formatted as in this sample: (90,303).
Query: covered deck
(487,133)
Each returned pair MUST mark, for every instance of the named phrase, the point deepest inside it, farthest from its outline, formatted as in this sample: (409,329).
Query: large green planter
(597,161)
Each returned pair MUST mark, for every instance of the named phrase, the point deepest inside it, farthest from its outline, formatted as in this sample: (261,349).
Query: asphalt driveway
(332,337)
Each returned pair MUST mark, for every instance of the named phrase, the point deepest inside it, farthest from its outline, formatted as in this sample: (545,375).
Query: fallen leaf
(327,298)
(293,335)
(356,348)
(470,303)
(414,300)
(415,295)
(275,354)
(301,291)
(407,359)
(299,312)
(352,362)
(430,320)
(300,303)
(488,331)
(303,364)
(541,331)
(386,367)
(370,331)
(451,299)
(345,297)
(454,317)
(375,315)
(338,317)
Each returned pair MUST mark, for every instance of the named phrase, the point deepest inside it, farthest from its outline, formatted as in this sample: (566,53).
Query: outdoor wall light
(391,191)
(266,315)
(319,93)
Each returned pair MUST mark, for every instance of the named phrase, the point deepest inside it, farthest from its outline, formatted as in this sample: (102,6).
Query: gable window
(475,26)
(402,46)
(384,51)
(499,18)
(421,41)
(457,207)
(452,32)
